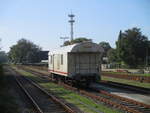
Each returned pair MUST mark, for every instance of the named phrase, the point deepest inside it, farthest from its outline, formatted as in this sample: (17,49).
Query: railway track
(138,78)
(125,103)
(126,86)
(41,100)
(122,103)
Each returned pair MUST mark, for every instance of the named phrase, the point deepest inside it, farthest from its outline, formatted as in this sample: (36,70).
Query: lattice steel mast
(71,21)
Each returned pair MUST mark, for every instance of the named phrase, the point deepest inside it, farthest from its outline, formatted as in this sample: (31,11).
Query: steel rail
(130,87)
(29,96)
(138,78)
(126,108)
(65,107)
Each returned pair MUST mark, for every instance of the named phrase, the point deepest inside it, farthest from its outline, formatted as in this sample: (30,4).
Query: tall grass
(1,76)
(7,102)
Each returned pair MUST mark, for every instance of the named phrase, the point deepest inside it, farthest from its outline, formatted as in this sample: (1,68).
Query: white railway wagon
(78,62)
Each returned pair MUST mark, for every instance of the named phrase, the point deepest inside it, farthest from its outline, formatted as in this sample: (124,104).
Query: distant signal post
(64,38)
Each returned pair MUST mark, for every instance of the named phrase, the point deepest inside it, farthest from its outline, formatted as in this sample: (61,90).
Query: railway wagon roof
(78,47)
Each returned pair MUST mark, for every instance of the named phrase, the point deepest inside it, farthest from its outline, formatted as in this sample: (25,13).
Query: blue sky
(44,21)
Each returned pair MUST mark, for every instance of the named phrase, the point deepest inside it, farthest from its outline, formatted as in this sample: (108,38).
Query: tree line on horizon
(132,50)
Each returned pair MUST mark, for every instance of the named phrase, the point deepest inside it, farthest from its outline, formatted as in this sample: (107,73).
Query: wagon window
(61,59)
(51,59)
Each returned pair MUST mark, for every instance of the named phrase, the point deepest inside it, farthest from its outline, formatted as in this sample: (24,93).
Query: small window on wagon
(61,59)
(51,59)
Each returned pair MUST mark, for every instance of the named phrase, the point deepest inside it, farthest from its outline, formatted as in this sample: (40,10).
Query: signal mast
(71,21)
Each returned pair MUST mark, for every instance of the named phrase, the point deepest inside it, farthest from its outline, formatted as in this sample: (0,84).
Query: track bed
(113,100)
(43,102)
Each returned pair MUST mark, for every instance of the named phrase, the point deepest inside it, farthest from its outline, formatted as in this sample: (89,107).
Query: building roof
(78,47)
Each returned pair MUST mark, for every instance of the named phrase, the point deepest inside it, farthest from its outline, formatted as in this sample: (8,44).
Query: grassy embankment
(85,104)
(130,82)
(123,73)
(7,101)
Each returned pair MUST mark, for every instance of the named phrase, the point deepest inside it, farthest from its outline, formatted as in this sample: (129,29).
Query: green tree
(3,57)
(106,47)
(66,43)
(119,47)
(147,61)
(131,47)
(77,40)
(112,55)
(24,51)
